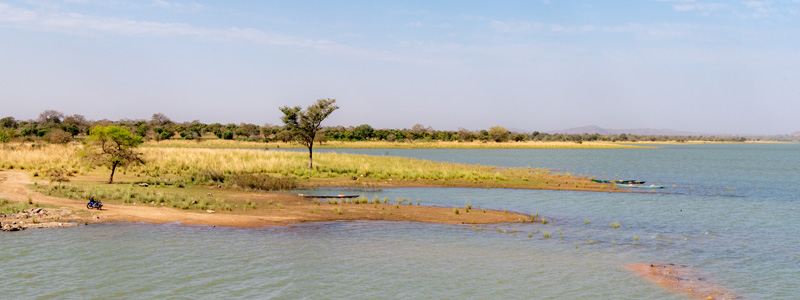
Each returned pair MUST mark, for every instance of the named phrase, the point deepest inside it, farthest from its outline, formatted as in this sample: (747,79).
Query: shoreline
(294,209)
(268,209)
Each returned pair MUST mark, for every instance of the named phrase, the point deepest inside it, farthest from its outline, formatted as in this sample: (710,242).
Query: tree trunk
(113,168)
(310,155)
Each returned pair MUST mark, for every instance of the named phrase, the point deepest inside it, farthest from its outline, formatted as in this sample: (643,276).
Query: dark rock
(14,226)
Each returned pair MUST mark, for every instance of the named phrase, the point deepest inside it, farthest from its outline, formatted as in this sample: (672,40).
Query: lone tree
(117,147)
(499,134)
(305,123)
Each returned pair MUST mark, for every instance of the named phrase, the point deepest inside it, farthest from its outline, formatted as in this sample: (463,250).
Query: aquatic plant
(615,225)
(456,210)
(546,234)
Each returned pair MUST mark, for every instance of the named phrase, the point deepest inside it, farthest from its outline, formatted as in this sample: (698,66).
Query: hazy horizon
(683,65)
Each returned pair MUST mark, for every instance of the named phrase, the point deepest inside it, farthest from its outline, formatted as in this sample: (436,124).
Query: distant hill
(637,131)
(796,133)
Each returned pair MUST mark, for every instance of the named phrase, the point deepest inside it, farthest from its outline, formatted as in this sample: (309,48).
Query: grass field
(253,169)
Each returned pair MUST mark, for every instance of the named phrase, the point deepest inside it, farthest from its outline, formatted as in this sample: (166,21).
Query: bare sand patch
(292,209)
(681,279)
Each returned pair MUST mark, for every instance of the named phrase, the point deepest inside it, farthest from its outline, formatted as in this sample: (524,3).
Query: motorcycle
(94,204)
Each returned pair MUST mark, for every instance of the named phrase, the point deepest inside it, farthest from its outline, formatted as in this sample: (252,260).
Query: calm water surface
(733,212)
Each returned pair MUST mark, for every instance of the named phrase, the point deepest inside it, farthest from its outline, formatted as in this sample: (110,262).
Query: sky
(701,66)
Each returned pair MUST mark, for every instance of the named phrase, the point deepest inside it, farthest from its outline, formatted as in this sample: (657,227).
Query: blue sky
(717,67)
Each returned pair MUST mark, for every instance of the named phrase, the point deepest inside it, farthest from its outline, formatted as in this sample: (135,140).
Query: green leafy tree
(499,134)
(163,133)
(8,122)
(363,132)
(306,123)
(227,135)
(141,129)
(284,136)
(114,146)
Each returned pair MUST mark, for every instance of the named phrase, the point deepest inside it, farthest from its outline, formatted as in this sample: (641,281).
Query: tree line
(56,127)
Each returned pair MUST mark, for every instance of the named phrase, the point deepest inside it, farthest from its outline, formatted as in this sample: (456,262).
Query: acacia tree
(305,123)
(116,147)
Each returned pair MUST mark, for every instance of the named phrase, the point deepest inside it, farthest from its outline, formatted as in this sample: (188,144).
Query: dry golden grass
(39,157)
(191,162)
(201,166)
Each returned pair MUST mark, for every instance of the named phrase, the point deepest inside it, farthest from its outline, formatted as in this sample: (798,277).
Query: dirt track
(293,210)
(12,187)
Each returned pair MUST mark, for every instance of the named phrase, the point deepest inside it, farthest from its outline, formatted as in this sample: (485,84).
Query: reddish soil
(272,209)
(683,280)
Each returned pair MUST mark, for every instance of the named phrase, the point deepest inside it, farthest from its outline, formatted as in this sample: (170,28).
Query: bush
(363,132)
(498,134)
(212,175)
(263,182)
(4,137)
(58,136)
(227,135)
(284,136)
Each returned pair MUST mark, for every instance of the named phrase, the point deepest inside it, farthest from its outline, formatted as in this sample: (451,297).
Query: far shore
(236,144)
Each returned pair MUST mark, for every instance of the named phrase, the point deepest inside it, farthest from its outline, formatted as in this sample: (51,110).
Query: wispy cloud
(178,5)
(87,25)
(515,27)
(699,6)
(644,31)
(749,9)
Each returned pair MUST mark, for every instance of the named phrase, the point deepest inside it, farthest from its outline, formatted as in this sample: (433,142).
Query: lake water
(733,213)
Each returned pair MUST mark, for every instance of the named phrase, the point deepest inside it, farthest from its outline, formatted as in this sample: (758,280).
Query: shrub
(58,136)
(227,135)
(263,182)
(212,175)
(4,136)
